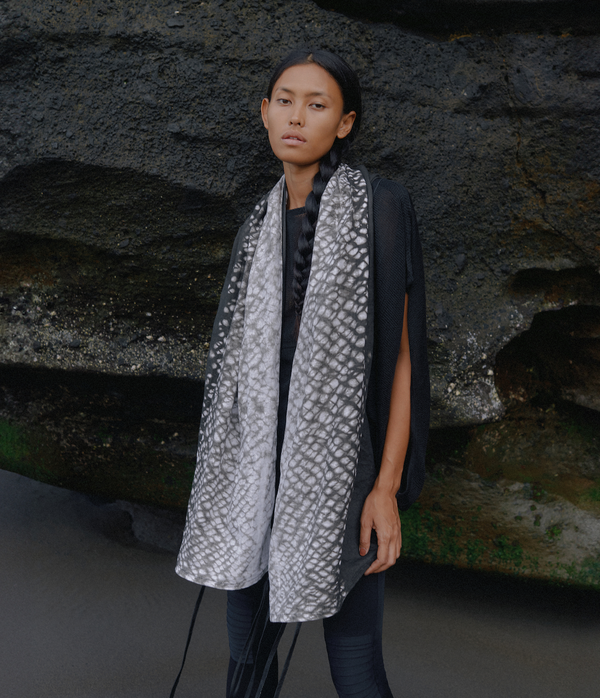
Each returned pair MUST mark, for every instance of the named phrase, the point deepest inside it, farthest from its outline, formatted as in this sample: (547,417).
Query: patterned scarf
(235,529)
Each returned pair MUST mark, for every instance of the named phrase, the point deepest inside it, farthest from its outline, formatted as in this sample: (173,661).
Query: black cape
(397,268)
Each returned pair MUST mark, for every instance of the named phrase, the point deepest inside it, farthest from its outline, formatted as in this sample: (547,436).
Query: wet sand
(87,611)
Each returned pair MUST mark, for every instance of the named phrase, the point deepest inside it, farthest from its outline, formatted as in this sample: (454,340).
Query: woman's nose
(296,119)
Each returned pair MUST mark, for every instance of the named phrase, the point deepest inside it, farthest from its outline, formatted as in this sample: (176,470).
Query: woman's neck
(299,182)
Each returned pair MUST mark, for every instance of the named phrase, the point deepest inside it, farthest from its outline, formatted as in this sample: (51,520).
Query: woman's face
(305,115)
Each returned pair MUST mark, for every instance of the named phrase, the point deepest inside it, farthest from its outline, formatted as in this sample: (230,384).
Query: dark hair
(349,85)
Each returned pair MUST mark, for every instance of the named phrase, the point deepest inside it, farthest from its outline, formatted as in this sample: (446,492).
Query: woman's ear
(346,123)
(263,112)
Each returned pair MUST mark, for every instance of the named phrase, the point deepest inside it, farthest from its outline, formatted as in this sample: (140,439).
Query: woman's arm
(380,510)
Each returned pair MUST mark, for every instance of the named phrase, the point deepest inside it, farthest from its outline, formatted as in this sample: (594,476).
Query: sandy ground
(86,611)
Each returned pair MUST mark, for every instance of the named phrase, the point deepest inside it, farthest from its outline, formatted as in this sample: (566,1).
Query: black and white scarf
(236,529)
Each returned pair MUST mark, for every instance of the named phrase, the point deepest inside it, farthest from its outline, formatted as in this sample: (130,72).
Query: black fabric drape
(396,268)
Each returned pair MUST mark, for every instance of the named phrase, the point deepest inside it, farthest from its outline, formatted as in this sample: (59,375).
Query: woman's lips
(293,138)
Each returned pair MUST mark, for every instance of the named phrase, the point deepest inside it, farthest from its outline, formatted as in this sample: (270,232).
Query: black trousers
(352,637)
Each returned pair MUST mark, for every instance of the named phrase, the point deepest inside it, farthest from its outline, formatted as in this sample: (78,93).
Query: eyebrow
(310,94)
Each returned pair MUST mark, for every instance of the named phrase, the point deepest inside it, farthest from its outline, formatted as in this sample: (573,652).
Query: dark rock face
(131,149)
(108,270)
(445,18)
(121,437)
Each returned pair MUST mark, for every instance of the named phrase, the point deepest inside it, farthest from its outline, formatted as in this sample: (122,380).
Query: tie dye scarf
(236,528)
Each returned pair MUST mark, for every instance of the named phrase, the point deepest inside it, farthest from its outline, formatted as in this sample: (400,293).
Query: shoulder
(387,193)
(258,211)
(254,217)
(393,211)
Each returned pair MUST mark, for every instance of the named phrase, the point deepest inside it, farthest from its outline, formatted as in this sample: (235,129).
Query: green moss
(593,493)
(554,532)
(427,536)
(475,550)
(507,552)
(586,574)
(590,570)
(14,446)
(450,549)
(117,466)
(29,452)
(415,533)
(537,492)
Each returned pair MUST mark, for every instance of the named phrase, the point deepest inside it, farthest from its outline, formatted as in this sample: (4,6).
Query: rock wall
(131,150)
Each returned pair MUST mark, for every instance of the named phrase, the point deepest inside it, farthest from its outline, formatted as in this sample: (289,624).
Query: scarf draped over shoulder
(236,530)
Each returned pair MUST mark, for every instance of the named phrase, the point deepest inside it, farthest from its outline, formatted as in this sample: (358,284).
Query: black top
(293,229)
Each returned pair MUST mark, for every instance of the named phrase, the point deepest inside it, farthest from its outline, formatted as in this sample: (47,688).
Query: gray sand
(87,611)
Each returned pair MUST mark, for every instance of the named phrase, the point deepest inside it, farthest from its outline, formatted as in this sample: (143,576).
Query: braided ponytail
(350,88)
(303,255)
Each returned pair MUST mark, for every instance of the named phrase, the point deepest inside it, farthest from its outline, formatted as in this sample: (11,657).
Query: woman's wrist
(388,484)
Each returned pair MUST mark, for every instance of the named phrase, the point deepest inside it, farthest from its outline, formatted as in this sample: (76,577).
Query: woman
(316,404)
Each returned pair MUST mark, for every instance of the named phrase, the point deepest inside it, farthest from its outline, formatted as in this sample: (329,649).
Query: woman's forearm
(398,429)
(380,510)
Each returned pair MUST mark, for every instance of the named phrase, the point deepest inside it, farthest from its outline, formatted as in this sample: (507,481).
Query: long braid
(303,255)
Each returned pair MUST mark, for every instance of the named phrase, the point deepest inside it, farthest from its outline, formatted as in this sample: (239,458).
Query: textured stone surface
(131,150)
(119,437)
(151,110)
(521,496)
(445,18)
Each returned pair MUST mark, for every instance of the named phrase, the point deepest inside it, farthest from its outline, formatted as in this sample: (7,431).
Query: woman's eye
(283,100)
(319,106)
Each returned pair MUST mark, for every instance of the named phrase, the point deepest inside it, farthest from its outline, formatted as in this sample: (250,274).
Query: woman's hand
(380,513)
